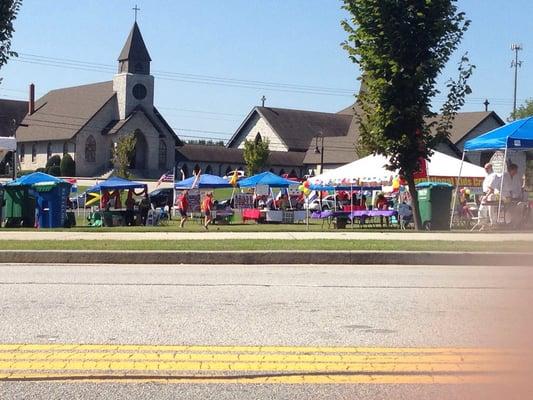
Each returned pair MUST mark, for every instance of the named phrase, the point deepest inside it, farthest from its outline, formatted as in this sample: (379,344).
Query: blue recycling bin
(52,206)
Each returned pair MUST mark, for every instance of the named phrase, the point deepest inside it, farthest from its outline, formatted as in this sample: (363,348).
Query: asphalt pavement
(395,329)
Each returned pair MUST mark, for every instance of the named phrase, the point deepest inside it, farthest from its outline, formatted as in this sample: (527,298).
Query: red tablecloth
(250,213)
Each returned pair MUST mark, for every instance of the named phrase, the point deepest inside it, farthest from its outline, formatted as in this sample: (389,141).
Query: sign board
(194,201)
(498,161)
(262,190)
(243,200)
(452,180)
(294,191)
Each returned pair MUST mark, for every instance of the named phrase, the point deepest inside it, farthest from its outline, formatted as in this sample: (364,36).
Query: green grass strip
(254,244)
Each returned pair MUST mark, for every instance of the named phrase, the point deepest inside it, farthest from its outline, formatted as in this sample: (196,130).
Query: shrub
(54,170)
(68,166)
(53,161)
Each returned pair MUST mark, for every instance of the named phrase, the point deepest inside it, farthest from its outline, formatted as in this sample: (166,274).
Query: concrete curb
(265,257)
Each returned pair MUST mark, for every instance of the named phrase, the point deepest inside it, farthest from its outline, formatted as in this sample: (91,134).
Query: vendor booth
(112,212)
(371,170)
(37,199)
(195,185)
(511,139)
(263,184)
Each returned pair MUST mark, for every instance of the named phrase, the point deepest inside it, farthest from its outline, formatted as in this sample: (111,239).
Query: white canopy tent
(371,169)
(7,144)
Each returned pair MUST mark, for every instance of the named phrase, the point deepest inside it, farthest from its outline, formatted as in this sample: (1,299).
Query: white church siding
(255,125)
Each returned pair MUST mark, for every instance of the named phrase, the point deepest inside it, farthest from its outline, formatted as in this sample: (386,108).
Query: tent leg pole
(501,184)
(457,189)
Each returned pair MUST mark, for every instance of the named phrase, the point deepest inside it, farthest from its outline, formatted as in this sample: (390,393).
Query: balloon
(306,184)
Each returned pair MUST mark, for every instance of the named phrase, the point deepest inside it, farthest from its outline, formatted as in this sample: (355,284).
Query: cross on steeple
(135,9)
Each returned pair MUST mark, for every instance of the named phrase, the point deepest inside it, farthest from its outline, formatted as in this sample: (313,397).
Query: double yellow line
(251,364)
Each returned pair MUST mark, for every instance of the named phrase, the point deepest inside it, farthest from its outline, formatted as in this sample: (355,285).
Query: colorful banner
(452,180)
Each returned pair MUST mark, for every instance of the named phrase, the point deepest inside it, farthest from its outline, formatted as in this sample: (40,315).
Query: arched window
(282,172)
(22,152)
(209,170)
(65,148)
(196,169)
(162,154)
(33,152)
(293,174)
(48,151)
(258,138)
(228,170)
(272,170)
(90,149)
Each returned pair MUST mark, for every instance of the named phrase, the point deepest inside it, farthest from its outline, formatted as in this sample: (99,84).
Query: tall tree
(523,111)
(402,46)
(255,155)
(8,13)
(123,151)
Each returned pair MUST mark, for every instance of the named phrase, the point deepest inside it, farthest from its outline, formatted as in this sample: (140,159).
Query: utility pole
(320,137)
(515,64)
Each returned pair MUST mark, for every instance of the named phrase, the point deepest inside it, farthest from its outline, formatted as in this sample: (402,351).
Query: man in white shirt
(491,185)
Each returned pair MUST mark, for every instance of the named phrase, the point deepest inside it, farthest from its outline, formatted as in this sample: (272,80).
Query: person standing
(207,206)
(183,205)
(491,185)
(130,209)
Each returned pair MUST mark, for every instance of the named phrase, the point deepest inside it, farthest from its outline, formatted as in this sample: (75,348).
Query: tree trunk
(414,203)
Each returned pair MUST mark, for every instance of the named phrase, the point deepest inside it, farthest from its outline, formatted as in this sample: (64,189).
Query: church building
(87,121)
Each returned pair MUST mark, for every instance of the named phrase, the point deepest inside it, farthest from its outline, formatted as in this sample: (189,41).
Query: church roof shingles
(297,128)
(62,113)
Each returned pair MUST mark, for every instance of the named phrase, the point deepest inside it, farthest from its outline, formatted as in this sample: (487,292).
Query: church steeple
(134,57)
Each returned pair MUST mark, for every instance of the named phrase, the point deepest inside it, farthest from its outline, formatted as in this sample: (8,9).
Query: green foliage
(53,161)
(54,170)
(8,13)
(37,170)
(523,111)
(123,151)
(402,47)
(255,155)
(68,166)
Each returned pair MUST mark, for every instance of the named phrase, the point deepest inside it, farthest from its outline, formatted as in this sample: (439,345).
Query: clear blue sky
(295,42)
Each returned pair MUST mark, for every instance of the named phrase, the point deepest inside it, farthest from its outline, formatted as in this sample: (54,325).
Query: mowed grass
(256,245)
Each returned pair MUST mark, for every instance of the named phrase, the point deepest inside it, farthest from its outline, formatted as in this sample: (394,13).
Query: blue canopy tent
(267,178)
(205,181)
(116,183)
(517,135)
(36,179)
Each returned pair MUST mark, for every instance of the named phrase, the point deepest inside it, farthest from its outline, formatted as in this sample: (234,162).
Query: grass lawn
(253,244)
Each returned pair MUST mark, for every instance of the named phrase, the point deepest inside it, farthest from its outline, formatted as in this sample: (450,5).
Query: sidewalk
(409,236)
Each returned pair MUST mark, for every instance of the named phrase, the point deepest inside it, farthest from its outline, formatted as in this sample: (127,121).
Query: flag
(166,177)
(234,178)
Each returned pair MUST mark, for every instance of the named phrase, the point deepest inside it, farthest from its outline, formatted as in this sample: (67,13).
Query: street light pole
(515,64)
(321,151)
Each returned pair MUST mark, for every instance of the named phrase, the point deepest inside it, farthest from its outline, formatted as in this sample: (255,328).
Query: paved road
(301,331)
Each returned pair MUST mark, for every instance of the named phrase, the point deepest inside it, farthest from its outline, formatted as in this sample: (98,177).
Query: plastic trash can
(434,202)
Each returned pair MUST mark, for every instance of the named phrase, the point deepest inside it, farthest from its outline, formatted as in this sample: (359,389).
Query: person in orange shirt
(207,206)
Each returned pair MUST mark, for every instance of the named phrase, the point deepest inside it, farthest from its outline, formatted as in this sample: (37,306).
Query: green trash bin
(19,208)
(434,202)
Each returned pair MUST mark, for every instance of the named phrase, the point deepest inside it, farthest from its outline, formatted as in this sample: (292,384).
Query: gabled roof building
(87,121)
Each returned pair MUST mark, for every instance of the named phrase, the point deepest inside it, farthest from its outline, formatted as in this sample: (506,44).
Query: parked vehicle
(161,197)
(328,203)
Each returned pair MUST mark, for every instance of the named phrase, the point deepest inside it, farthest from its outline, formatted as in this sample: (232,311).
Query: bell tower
(133,83)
